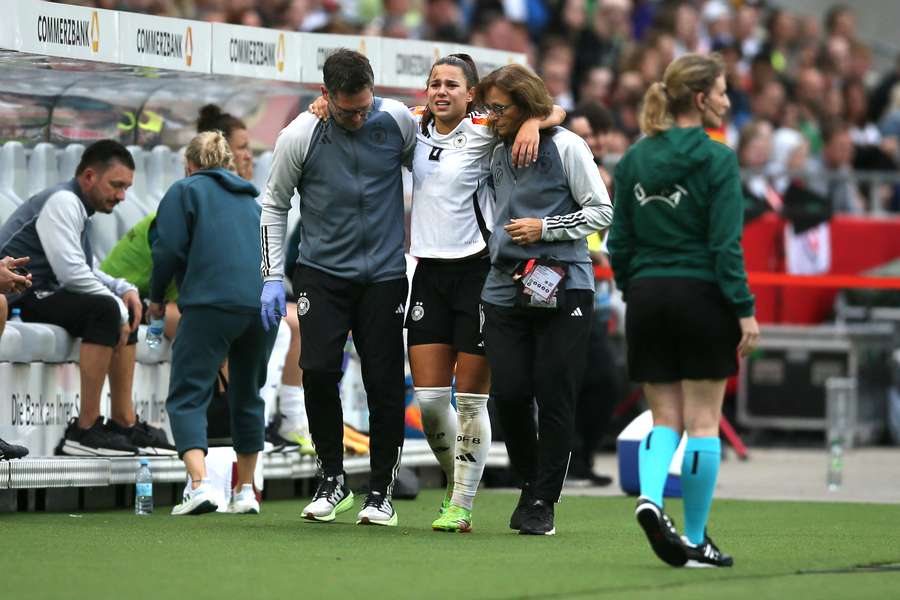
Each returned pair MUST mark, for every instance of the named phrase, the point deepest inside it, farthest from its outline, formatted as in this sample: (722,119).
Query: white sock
(292,404)
(473,442)
(439,424)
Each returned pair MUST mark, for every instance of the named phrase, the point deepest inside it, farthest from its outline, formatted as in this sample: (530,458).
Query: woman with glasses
(676,253)
(451,221)
(539,292)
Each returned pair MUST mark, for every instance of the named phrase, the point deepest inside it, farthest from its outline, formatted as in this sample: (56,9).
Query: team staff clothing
(539,356)
(53,228)
(328,308)
(444,306)
(91,317)
(561,189)
(351,194)
(679,213)
(679,328)
(452,209)
(206,237)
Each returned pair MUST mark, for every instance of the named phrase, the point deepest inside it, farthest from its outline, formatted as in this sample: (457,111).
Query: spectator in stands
(70,291)
(545,211)
(678,202)
(219,303)
(834,170)
(753,152)
(353,277)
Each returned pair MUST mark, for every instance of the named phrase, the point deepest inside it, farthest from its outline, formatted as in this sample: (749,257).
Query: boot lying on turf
(661,533)
(705,555)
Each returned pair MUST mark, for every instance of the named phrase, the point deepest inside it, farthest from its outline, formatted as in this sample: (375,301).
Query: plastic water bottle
(835,464)
(143,489)
(16,315)
(155,332)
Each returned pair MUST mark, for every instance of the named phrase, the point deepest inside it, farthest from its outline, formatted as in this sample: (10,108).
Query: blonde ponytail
(209,150)
(655,116)
(685,77)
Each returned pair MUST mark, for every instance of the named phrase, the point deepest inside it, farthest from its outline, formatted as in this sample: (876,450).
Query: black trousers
(94,318)
(329,308)
(538,356)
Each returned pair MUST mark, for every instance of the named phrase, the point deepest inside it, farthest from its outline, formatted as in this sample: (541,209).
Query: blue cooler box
(627,445)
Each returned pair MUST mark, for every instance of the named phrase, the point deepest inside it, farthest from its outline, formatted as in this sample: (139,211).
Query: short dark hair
(598,116)
(347,72)
(104,153)
(213,119)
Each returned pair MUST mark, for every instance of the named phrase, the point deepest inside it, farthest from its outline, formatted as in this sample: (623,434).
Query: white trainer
(197,501)
(244,502)
(377,510)
(331,498)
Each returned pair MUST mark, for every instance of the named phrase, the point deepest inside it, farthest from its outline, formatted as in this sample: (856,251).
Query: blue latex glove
(273,305)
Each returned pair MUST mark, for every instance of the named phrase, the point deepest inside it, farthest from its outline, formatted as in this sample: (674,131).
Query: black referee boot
(661,533)
(706,554)
(538,519)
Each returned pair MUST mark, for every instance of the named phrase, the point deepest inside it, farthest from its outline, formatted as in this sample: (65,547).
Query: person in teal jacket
(676,254)
(207,238)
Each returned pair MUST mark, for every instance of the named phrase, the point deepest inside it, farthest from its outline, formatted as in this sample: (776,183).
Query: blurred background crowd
(806,95)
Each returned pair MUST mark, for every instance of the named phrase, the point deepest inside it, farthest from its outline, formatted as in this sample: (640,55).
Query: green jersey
(679,213)
(131,260)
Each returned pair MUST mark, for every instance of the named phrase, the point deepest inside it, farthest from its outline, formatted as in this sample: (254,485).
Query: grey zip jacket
(563,189)
(352,221)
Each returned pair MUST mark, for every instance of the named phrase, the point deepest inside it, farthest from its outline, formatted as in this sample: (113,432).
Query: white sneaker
(377,510)
(331,497)
(244,502)
(197,501)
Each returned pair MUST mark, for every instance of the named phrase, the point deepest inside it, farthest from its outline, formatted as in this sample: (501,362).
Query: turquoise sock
(654,458)
(698,482)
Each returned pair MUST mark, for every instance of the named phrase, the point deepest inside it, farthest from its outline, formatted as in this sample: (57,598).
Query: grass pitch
(781,550)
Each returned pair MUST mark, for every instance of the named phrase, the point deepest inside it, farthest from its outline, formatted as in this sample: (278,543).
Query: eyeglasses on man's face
(349,113)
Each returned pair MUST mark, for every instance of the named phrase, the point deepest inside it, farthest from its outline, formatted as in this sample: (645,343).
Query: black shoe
(148,439)
(518,515)
(96,441)
(9,451)
(538,519)
(279,444)
(706,555)
(661,533)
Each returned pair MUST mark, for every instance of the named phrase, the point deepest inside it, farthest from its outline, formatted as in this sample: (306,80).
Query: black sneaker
(279,444)
(148,439)
(660,532)
(706,555)
(9,451)
(538,519)
(96,441)
(518,515)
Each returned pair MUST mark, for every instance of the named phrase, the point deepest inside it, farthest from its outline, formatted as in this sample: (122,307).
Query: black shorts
(679,328)
(92,317)
(445,304)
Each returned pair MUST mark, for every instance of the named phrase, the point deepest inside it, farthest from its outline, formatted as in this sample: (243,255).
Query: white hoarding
(62,30)
(407,63)
(255,52)
(165,43)
(316,47)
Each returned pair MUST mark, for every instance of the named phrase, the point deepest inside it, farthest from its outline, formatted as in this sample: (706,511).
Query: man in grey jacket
(351,273)
(68,290)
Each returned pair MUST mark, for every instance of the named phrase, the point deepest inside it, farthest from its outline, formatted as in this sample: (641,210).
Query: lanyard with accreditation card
(539,283)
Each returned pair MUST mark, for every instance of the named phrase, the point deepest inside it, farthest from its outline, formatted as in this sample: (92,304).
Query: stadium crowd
(787,74)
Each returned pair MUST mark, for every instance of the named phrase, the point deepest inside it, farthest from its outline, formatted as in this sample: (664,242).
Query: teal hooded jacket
(206,236)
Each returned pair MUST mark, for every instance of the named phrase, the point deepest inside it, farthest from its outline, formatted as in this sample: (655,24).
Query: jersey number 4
(435,154)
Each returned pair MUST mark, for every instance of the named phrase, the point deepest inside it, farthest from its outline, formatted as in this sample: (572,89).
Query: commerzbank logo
(188,46)
(95,32)
(280,53)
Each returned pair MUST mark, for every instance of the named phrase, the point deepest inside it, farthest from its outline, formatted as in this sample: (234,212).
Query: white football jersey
(453,207)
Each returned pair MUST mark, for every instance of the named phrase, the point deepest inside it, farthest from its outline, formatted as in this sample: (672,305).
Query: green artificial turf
(598,552)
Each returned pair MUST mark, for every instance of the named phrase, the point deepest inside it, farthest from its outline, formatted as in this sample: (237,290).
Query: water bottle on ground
(143,490)
(16,315)
(155,332)
(840,396)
